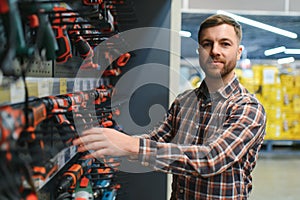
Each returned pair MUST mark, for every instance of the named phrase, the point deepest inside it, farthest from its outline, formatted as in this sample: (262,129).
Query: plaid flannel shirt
(209,142)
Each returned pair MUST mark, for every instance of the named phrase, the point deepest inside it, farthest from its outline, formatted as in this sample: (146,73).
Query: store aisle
(277,178)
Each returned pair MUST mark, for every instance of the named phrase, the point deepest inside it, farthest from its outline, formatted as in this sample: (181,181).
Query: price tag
(44,87)
(73,150)
(17,92)
(85,84)
(63,85)
(60,159)
(77,84)
(32,86)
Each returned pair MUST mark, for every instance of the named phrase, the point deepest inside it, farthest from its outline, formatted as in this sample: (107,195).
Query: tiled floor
(277,178)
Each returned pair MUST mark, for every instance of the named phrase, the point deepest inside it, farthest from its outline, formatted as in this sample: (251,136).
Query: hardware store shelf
(283,146)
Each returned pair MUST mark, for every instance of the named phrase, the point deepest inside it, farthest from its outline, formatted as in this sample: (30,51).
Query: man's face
(219,51)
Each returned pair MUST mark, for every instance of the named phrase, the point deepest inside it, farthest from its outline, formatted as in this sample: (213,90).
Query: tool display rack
(44,47)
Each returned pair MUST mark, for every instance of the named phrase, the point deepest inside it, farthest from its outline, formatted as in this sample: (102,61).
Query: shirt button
(181,190)
(146,164)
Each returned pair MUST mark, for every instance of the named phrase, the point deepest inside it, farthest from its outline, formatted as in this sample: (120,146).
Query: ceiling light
(285,60)
(273,51)
(185,33)
(260,25)
(292,51)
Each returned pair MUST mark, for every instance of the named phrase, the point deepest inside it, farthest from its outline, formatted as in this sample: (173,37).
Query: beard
(217,71)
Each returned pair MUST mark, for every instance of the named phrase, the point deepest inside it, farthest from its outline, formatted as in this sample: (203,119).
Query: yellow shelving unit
(279,92)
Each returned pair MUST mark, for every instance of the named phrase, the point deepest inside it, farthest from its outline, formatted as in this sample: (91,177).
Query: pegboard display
(45,105)
(54,84)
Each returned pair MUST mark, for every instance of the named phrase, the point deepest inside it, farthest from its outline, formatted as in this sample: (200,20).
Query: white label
(17,92)
(269,76)
(44,87)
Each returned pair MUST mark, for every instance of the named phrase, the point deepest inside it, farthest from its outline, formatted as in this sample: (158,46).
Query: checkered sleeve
(244,126)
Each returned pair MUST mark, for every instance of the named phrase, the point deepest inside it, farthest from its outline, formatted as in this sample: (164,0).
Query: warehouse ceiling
(255,40)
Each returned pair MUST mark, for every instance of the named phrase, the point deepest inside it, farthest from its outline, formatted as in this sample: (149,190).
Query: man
(211,135)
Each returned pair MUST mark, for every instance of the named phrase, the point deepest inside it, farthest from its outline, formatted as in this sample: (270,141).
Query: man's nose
(215,50)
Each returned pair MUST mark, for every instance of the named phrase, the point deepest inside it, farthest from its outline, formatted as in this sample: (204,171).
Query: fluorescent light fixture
(286,60)
(260,25)
(292,51)
(273,51)
(185,33)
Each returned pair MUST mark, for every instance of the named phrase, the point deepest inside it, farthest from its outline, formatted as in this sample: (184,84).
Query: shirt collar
(224,92)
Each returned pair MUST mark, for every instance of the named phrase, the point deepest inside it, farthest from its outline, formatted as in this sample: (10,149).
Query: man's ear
(239,53)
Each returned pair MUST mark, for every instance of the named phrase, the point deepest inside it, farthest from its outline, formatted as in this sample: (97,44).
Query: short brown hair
(219,19)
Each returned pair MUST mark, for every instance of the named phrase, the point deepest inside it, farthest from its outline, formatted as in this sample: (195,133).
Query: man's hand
(107,142)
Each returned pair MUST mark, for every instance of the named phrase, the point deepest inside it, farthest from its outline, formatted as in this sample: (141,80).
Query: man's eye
(226,44)
(206,44)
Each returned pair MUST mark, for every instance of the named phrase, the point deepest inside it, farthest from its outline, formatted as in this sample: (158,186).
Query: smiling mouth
(215,63)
